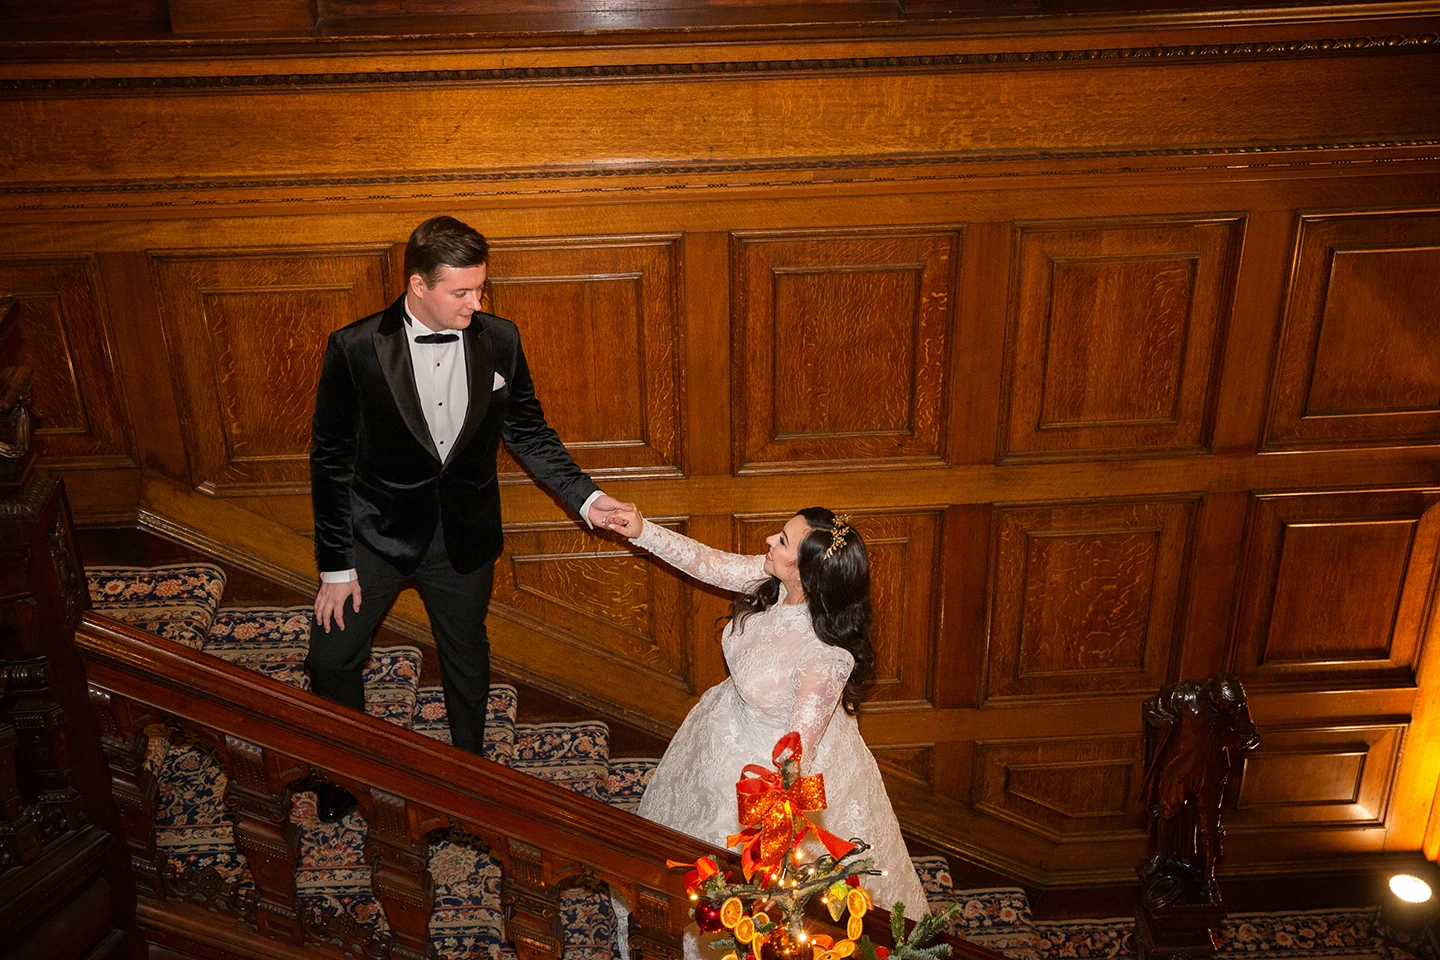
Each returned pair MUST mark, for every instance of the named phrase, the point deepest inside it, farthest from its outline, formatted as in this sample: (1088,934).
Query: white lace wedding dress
(782,678)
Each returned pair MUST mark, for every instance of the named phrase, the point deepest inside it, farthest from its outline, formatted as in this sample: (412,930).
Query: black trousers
(457,604)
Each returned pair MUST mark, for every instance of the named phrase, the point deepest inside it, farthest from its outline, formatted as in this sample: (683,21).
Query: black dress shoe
(332,803)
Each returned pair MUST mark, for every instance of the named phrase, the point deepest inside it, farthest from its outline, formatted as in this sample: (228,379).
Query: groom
(410,410)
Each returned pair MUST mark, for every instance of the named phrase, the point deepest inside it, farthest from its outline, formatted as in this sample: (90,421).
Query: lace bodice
(783,672)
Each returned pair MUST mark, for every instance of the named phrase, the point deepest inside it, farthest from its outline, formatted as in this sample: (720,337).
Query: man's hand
(604,508)
(626,521)
(330,602)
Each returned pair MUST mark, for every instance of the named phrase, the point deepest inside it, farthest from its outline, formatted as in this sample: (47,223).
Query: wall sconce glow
(1410,889)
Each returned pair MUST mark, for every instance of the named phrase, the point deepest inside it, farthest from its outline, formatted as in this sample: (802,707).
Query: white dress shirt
(441,382)
(444,390)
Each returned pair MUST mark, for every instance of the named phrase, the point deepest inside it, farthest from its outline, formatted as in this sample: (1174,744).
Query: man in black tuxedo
(409,413)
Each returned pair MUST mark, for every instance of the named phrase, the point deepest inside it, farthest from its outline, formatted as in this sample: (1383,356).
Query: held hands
(627,522)
(330,602)
(603,510)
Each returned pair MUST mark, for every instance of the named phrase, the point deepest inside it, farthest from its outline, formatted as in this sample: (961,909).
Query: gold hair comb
(838,531)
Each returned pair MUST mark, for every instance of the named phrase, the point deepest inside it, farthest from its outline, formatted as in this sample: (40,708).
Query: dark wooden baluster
(258,793)
(134,788)
(44,737)
(399,858)
(532,908)
(20,837)
(654,932)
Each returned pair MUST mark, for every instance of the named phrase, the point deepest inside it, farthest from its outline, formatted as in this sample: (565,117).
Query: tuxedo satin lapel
(480,372)
(394,354)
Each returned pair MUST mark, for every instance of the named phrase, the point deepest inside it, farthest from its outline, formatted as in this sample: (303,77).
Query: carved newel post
(1195,734)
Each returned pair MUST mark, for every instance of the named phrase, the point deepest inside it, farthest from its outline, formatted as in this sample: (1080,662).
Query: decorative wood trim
(603,72)
(865,167)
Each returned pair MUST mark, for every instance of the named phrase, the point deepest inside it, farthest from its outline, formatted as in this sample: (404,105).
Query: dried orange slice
(745,930)
(827,955)
(855,927)
(844,948)
(729,956)
(856,901)
(731,911)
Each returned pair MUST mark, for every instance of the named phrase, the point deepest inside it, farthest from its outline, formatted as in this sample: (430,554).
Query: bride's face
(785,549)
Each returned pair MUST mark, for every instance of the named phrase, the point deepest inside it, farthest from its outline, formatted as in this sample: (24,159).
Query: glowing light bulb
(1410,889)
(694,896)
(801,937)
(884,873)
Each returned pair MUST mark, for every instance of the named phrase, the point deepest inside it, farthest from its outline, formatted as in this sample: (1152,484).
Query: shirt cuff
(339,576)
(585,508)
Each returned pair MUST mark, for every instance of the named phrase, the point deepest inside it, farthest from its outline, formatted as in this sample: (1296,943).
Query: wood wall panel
(1360,361)
(597,597)
(1085,598)
(66,338)
(246,331)
(1117,327)
(915,763)
(905,574)
(1063,789)
(1307,777)
(1337,588)
(1038,306)
(601,322)
(841,347)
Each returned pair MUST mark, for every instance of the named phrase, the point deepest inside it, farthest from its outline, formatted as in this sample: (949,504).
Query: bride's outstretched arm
(728,571)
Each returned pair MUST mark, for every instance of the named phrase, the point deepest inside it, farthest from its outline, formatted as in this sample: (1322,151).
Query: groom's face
(450,302)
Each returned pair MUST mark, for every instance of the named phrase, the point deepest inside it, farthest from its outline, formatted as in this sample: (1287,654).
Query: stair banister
(432,785)
(409,786)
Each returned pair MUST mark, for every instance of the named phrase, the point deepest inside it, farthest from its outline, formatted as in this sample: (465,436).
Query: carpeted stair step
(934,873)
(629,776)
(275,640)
(574,755)
(432,720)
(177,601)
(997,917)
(1345,934)
(191,827)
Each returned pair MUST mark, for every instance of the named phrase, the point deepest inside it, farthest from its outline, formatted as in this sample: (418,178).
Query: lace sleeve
(820,685)
(728,571)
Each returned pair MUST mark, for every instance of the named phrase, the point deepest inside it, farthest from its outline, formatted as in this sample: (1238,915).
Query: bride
(798,648)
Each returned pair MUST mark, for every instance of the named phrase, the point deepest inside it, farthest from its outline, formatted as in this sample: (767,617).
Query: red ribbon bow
(704,869)
(774,814)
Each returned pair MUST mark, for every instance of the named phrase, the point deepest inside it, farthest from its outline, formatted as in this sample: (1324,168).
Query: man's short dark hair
(443,242)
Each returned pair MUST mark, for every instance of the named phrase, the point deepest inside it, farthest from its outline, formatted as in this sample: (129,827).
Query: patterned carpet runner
(182,602)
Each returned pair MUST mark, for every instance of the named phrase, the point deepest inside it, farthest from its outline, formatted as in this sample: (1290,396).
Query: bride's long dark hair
(837,591)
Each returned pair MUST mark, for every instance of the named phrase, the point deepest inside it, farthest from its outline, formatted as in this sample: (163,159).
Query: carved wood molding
(570,73)
(864,168)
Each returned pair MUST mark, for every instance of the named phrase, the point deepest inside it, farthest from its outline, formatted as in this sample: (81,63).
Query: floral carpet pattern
(182,602)
(177,602)
(1000,918)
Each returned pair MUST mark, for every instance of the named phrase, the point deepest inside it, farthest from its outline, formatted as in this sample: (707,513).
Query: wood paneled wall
(1120,340)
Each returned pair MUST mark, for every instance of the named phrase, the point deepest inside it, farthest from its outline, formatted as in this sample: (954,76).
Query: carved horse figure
(1195,731)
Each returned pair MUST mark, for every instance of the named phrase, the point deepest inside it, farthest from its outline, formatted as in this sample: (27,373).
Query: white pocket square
(499,382)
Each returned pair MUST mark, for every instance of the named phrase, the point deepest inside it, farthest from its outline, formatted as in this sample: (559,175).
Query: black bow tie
(437,338)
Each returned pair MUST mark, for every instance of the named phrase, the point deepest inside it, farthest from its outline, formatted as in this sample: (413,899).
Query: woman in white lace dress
(798,648)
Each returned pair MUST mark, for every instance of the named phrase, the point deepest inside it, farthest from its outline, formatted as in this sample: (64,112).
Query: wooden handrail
(438,785)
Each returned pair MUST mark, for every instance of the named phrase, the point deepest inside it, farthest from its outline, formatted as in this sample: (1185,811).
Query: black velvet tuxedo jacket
(375,475)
